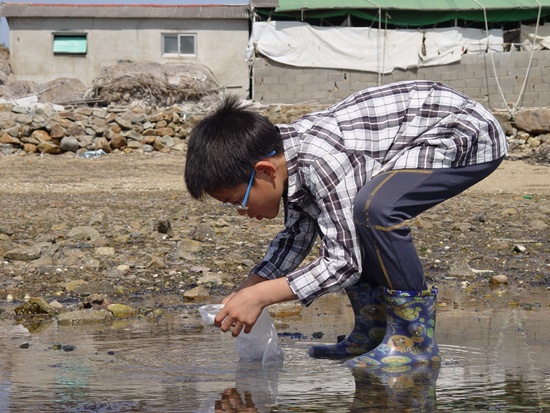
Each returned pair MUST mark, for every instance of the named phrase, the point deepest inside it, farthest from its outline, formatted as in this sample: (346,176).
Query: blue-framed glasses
(242,206)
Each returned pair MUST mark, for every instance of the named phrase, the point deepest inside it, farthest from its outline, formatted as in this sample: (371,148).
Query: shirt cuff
(304,285)
(266,270)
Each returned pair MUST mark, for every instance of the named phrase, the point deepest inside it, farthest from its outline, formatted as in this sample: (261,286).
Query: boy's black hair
(224,147)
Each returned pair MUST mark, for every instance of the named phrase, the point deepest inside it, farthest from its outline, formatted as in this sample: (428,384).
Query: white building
(50,41)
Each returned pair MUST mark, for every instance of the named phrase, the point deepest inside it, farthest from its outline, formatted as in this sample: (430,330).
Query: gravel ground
(124,226)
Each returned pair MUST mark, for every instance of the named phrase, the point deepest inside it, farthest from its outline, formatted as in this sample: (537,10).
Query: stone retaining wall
(115,129)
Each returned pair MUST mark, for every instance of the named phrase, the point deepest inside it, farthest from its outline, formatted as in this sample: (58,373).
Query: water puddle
(495,358)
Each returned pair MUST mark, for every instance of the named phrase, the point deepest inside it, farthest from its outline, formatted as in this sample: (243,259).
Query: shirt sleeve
(290,246)
(339,262)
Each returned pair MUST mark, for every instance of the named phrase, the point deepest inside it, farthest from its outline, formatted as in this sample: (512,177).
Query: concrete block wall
(474,75)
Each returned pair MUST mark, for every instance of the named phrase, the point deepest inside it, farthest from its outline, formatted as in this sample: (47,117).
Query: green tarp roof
(446,5)
(418,12)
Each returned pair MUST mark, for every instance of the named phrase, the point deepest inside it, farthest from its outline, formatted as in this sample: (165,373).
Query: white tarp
(366,49)
(445,46)
(353,48)
(542,41)
(476,40)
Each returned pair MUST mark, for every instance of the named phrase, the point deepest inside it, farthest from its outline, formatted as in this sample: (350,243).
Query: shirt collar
(291,145)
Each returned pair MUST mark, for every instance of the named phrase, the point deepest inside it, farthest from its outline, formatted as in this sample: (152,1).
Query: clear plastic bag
(260,344)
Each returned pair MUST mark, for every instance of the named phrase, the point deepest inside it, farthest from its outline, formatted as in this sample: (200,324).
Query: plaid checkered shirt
(331,154)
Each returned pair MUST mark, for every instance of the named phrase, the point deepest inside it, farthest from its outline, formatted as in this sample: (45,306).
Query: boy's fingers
(226,324)
(218,320)
(236,330)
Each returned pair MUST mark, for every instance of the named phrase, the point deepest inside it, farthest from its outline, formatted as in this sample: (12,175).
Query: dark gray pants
(385,204)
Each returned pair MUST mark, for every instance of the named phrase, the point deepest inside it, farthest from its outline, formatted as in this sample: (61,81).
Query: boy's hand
(240,309)
(243,307)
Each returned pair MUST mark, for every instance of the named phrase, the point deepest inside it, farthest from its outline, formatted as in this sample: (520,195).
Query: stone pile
(126,129)
(528,132)
(82,129)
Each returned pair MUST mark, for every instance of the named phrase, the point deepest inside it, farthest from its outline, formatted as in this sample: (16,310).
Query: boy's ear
(266,167)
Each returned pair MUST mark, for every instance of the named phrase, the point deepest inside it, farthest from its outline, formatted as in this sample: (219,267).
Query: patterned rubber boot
(409,338)
(369,328)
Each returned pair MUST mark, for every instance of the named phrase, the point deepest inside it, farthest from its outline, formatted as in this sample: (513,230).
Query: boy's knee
(369,212)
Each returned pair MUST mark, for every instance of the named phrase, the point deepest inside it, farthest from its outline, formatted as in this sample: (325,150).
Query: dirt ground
(499,227)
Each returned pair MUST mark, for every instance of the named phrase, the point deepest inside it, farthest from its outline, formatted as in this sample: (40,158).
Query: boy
(354,174)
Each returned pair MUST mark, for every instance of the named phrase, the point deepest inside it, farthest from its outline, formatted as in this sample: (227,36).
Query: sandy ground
(65,173)
(518,178)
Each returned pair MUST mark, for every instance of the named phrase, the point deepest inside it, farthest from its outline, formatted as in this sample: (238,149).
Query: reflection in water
(403,389)
(399,389)
(71,380)
(255,390)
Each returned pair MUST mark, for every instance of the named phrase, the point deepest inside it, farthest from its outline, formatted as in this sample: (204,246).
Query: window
(179,44)
(73,44)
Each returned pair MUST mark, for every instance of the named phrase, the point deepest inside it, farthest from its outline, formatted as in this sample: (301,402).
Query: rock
(30,148)
(5,244)
(519,248)
(538,224)
(156,262)
(121,311)
(24,254)
(105,251)
(94,287)
(197,294)
(123,123)
(165,132)
(48,148)
(505,121)
(117,141)
(510,211)
(69,144)
(164,227)
(96,302)
(41,136)
(460,269)
(36,305)
(201,233)
(214,278)
(57,305)
(498,280)
(134,145)
(57,132)
(186,246)
(63,347)
(103,144)
(84,317)
(123,269)
(72,285)
(85,233)
(533,120)
(5,138)
(287,309)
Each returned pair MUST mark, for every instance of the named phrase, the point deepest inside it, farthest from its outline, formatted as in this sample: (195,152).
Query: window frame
(75,35)
(178,35)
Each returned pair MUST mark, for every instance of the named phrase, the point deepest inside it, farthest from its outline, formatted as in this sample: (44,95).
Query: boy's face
(263,201)
(264,198)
